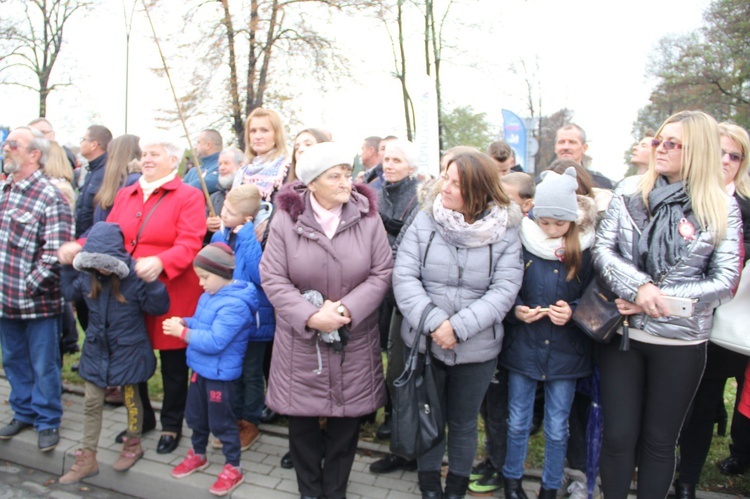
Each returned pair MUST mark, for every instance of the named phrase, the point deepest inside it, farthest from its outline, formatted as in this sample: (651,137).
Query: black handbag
(417,423)
(597,314)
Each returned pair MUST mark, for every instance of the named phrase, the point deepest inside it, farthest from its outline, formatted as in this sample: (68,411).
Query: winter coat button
(555,271)
(138,215)
(546,342)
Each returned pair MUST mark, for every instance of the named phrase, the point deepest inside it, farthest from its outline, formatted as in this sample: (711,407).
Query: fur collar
(292,199)
(536,241)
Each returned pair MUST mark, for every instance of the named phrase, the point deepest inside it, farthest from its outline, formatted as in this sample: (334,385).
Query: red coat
(174,232)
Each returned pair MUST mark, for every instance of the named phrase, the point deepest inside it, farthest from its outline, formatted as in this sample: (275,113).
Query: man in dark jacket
(94,148)
(570,143)
(207,147)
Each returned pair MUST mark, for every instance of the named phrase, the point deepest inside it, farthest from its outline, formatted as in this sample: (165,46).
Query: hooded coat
(354,267)
(117,350)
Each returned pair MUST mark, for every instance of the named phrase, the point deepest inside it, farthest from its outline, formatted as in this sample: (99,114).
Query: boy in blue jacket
(240,210)
(217,339)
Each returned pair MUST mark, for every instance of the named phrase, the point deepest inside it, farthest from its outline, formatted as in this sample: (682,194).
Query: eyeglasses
(734,157)
(86,139)
(668,144)
(12,144)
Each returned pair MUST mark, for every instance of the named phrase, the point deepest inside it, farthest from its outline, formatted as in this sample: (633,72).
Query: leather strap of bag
(145,221)
(412,361)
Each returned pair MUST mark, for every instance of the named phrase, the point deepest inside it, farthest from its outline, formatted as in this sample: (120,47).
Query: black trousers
(697,433)
(174,373)
(646,392)
(323,458)
(209,410)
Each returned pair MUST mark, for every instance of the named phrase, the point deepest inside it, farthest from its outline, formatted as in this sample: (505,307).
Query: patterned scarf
(487,229)
(266,174)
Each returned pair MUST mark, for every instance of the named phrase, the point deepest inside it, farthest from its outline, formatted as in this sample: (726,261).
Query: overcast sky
(592,57)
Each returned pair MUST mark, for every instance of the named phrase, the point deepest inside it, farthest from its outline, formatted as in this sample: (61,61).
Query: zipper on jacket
(427,250)
(489,272)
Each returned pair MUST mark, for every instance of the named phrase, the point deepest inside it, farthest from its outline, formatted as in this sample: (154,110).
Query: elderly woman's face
(395,166)
(730,149)
(333,187)
(262,135)
(451,191)
(156,163)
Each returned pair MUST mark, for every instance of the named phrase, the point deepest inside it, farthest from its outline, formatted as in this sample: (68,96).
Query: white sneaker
(577,488)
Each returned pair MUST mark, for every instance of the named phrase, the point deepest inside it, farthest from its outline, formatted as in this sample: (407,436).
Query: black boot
(384,430)
(684,490)
(514,488)
(455,486)
(547,493)
(429,484)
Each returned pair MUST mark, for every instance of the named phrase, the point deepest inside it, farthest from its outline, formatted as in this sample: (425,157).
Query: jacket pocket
(22,228)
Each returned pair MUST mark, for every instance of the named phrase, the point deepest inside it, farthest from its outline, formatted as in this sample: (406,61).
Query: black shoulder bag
(417,423)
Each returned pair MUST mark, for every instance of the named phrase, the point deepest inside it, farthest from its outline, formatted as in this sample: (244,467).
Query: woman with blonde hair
(679,236)
(123,168)
(57,169)
(721,364)
(265,147)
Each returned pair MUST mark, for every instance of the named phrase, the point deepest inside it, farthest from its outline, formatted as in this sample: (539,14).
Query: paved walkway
(150,478)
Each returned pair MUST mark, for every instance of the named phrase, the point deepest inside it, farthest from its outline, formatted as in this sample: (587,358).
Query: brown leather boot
(249,433)
(84,467)
(131,452)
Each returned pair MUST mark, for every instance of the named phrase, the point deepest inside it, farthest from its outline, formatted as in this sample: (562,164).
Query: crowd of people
(273,281)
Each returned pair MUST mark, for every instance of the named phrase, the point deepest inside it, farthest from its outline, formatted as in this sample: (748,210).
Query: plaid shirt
(36,220)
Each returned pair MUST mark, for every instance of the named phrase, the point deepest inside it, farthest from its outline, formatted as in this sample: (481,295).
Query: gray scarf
(661,246)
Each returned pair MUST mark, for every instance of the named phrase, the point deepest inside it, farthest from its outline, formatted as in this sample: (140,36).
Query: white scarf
(538,243)
(456,231)
(148,188)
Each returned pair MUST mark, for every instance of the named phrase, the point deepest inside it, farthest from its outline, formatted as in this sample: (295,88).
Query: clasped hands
(647,300)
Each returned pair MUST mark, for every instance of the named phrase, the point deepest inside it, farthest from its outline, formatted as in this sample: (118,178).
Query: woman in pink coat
(163,222)
(326,237)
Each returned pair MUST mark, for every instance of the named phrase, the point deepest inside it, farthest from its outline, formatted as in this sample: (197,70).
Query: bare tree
(249,50)
(32,39)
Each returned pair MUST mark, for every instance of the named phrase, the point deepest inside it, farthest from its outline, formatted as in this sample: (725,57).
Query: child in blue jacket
(217,339)
(117,351)
(543,344)
(237,215)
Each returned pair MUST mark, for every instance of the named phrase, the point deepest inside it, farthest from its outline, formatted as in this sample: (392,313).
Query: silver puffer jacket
(708,273)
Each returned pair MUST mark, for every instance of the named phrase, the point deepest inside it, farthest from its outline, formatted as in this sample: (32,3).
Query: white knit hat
(321,157)
(555,196)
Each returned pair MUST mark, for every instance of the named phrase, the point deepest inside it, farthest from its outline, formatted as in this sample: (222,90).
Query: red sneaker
(192,463)
(229,479)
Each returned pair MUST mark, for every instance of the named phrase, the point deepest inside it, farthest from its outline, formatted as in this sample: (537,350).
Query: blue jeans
(31,357)
(558,398)
(249,387)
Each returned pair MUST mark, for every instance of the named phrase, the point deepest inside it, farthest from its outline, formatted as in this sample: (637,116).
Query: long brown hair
(123,151)
(479,181)
(573,253)
(114,285)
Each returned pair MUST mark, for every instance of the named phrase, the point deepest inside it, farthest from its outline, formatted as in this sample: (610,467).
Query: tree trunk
(402,75)
(238,124)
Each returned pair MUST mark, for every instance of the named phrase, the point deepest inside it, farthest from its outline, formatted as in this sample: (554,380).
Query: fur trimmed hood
(292,198)
(587,212)
(104,249)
